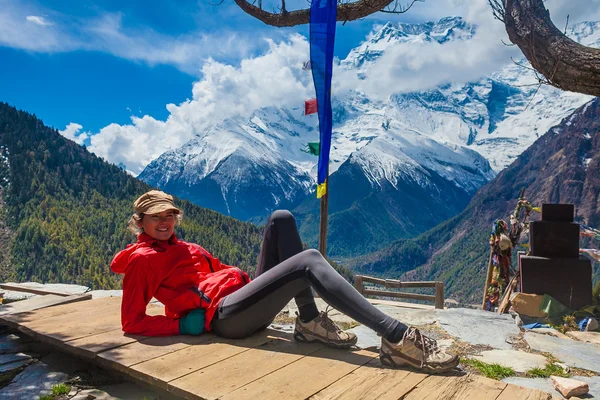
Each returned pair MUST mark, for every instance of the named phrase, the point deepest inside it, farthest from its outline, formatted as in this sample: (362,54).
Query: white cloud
(274,78)
(421,66)
(73,132)
(38,20)
(21,27)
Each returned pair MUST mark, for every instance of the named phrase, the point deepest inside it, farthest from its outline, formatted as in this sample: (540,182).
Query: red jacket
(183,276)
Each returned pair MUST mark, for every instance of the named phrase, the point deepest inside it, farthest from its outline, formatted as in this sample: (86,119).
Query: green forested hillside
(63,211)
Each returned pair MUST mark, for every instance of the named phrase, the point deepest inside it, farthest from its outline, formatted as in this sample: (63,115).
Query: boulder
(570,387)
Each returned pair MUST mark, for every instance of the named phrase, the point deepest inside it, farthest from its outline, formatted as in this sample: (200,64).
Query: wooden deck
(269,365)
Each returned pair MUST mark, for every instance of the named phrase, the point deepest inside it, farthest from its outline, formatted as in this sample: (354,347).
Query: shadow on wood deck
(268,365)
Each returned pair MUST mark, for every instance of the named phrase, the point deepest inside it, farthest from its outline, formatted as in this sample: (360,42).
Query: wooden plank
(60,332)
(393,283)
(513,392)
(439,295)
(304,377)
(122,358)
(413,296)
(90,307)
(488,279)
(457,386)
(58,329)
(226,376)
(89,346)
(89,313)
(506,297)
(358,283)
(480,388)
(39,302)
(372,382)
(161,370)
(15,287)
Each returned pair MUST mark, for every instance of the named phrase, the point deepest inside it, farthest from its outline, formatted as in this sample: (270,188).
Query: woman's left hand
(192,323)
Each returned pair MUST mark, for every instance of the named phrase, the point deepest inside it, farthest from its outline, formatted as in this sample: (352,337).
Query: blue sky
(114,74)
(89,83)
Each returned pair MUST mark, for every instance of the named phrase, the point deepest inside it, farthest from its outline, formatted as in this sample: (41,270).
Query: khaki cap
(154,202)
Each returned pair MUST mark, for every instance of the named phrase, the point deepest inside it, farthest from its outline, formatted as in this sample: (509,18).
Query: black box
(554,239)
(568,280)
(558,212)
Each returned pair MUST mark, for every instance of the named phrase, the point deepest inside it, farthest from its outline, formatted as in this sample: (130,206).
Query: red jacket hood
(121,260)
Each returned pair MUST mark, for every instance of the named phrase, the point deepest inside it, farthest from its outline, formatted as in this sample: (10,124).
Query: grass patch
(60,389)
(549,369)
(493,371)
(57,390)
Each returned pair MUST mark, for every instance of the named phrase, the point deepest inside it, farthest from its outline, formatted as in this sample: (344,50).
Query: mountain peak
(444,30)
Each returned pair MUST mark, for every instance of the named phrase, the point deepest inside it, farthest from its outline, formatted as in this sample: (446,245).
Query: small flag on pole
(310,106)
(313,148)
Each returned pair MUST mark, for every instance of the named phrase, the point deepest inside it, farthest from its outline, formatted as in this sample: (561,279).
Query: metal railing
(438,298)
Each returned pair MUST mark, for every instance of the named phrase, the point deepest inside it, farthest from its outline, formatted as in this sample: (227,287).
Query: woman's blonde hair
(136,219)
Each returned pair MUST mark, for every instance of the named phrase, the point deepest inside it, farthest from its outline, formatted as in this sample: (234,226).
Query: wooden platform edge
(6,318)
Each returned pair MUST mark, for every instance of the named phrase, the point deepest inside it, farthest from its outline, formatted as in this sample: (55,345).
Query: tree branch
(564,63)
(345,12)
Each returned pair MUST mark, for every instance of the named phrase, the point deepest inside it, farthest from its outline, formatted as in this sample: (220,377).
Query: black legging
(285,272)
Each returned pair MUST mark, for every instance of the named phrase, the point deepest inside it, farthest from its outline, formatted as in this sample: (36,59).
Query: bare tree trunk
(345,12)
(565,63)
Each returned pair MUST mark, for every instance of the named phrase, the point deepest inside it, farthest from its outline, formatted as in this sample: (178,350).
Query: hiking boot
(323,329)
(417,351)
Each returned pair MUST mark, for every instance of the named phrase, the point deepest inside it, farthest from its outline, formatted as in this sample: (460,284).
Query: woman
(202,294)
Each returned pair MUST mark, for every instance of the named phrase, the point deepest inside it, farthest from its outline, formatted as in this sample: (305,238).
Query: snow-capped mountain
(242,167)
(416,158)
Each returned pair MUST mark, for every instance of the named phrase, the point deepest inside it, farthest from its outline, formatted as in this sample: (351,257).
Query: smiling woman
(200,293)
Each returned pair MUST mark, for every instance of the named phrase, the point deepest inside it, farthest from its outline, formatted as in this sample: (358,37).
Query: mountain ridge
(562,166)
(463,133)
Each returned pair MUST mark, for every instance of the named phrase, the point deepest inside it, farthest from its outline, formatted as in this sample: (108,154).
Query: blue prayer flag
(322,38)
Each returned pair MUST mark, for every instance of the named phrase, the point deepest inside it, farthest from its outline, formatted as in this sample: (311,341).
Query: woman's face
(159,226)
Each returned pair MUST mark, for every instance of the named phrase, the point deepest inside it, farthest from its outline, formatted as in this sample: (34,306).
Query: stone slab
(33,381)
(517,360)
(100,294)
(545,384)
(478,327)
(403,312)
(10,358)
(549,331)
(588,337)
(573,353)
(10,343)
(55,287)
(410,316)
(14,365)
(367,338)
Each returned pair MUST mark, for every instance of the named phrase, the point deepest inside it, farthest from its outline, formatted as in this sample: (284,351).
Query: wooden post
(358,283)
(323,218)
(488,278)
(439,295)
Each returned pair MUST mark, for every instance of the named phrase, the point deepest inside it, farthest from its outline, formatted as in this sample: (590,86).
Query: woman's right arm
(139,285)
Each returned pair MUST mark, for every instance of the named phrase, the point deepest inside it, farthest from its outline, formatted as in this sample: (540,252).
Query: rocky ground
(489,344)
